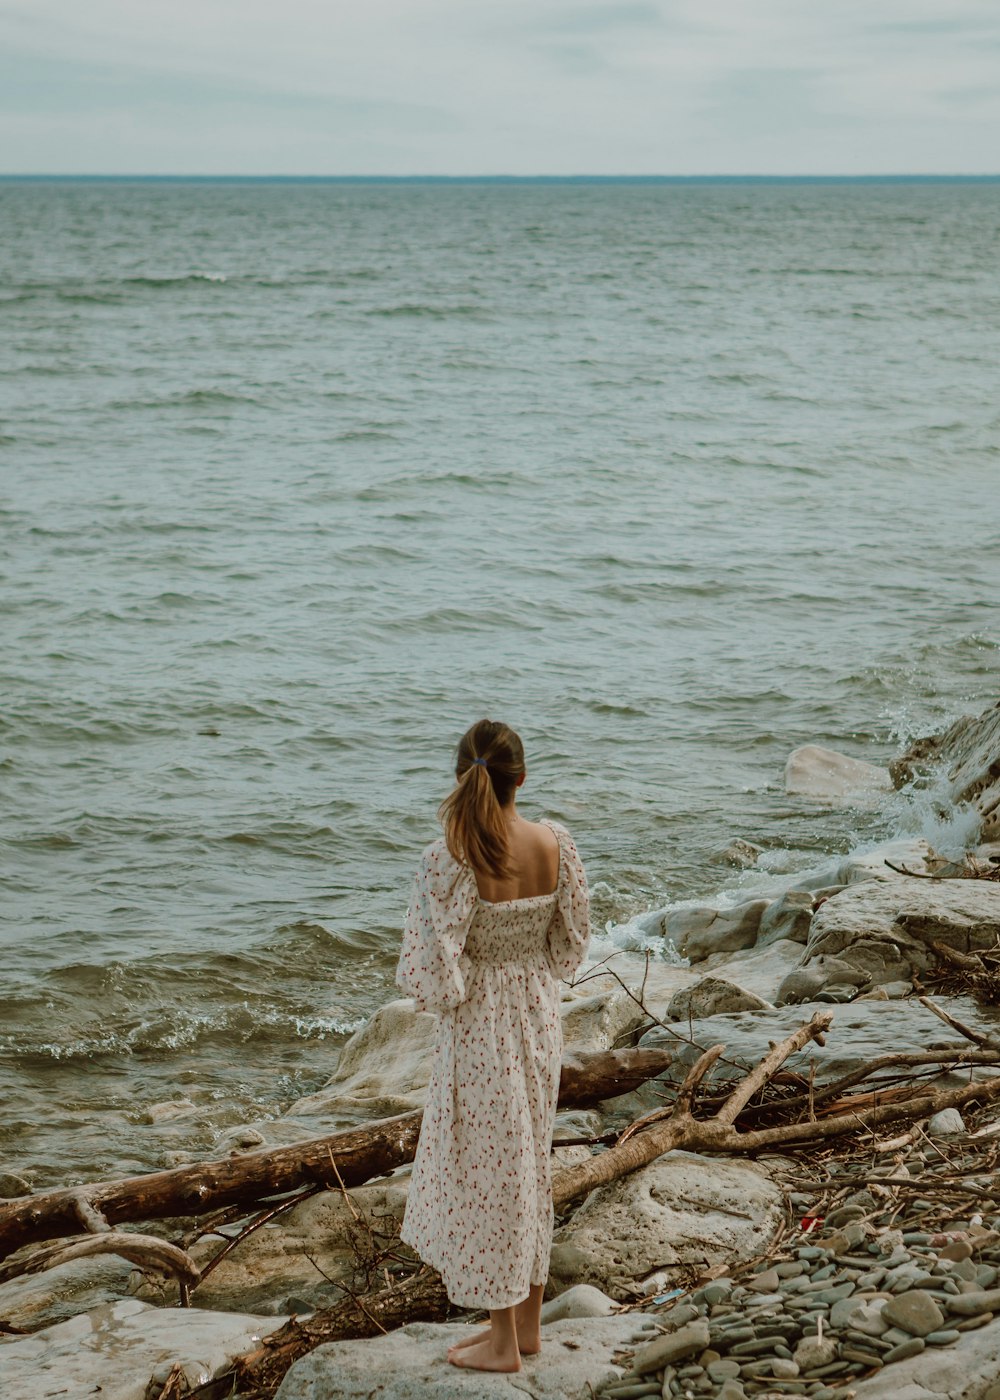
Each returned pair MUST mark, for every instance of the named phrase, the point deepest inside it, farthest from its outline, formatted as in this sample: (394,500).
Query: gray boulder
(712,996)
(681,1210)
(885,928)
(699,932)
(788,917)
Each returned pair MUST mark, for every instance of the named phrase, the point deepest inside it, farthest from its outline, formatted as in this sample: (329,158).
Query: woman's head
(489,767)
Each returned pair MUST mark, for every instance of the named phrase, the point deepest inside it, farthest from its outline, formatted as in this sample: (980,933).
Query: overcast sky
(500,86)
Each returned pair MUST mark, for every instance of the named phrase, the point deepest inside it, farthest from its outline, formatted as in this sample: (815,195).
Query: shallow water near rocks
(301,479)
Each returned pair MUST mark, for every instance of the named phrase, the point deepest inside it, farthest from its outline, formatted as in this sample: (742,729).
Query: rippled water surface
(299,479)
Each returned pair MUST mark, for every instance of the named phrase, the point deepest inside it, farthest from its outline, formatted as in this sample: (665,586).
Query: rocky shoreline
(823,1275)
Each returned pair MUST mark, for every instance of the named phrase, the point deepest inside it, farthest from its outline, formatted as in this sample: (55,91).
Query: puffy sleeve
(442,903)
(569,932)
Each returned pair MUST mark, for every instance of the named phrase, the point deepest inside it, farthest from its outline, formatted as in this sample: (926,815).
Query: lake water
(297,480)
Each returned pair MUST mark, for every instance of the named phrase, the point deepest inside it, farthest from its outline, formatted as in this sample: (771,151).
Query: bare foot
(470,1340)
(482,1356)
(529,1341)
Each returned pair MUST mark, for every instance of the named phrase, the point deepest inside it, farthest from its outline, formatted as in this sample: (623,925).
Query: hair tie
(480,761)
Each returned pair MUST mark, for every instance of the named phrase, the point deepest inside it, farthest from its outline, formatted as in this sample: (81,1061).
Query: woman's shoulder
(560,832)
(438,865)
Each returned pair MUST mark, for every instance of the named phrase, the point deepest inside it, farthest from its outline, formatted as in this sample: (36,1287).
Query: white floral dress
(480,1201)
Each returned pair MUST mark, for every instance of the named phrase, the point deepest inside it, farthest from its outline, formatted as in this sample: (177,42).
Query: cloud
(532,86)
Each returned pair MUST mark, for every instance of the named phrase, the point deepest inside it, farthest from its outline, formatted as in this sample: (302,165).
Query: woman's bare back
(534,864)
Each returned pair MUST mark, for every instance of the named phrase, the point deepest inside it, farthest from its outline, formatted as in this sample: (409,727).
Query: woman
(499,911)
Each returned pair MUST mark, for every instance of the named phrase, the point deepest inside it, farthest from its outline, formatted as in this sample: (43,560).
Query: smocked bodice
(510,931)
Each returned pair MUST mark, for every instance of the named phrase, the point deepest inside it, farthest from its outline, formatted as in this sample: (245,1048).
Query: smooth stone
(692,1337)
(866,1358)
(765,1282)
(784,1370)
(716,1292)
(973,1303)
(948,1123)
(698,932)
(969,1324)
(582,1300)
(941,1339)
(723,1370)
(911,1347)
(787,917)
(789,1268)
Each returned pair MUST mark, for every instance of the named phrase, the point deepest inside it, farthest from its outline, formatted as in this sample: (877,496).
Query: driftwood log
(339,1159)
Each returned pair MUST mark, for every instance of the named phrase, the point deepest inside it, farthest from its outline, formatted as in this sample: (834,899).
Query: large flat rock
(886,928)
(411,1364)
(113,1351)
(680,1210)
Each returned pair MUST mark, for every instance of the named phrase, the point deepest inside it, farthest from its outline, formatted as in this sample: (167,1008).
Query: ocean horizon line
(53,177)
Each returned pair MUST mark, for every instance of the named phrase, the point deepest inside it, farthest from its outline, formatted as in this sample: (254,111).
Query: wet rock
(758,970)
(40,1300)
(115,1349)
(712,996)
(699,932)
(788,917)
(740,854)
(169,1110)
(970,752)
(601,1022)
(410,1364)
(680,1209)
(13,1185)
(824,775)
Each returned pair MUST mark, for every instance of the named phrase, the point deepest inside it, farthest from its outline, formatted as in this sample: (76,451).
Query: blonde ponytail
(489,765)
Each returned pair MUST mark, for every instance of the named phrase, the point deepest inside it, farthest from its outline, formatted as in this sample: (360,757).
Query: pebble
(866,1358)
(915,1312)
(692,1337)
(723,1370)
(911,1347)
(941,1339)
